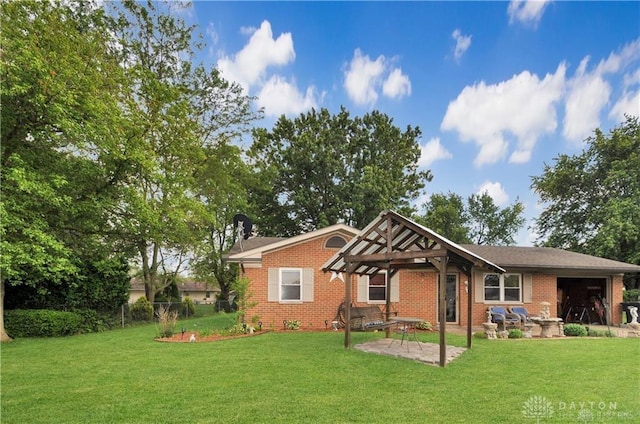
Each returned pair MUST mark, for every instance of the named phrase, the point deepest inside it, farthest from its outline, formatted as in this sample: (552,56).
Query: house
(196,291)
(302,278)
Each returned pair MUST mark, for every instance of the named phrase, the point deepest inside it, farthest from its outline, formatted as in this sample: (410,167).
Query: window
(290,287)
(378,287)
(502,288)
(335,242)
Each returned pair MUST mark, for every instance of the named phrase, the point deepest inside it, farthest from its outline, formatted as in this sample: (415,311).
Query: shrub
(575,330)
(424,325)
(188,308)
(592,332)
(166,321)
(142,310)
(292,324)
(631,295)
(42,323)
(515,333)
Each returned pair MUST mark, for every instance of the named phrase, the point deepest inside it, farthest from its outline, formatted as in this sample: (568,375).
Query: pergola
(392,242)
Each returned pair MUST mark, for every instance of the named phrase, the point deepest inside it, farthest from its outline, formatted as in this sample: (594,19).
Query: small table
(546,323)
(408,326)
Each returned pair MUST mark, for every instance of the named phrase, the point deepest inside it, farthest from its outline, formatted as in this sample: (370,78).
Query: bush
(188,308)
(515,333)
(631,295)
(575,330)
(424,325)
(600,333)
(142,310)
(42,323)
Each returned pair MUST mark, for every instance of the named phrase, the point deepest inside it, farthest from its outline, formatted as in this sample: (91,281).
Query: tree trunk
(4,337)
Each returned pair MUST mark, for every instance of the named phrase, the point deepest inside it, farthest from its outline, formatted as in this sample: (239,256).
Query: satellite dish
(243,225)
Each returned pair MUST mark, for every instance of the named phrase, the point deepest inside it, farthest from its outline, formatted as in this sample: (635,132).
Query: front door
(451,297)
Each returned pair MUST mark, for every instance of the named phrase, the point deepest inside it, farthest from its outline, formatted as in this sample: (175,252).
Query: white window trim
(280,271)
(386,292)
(502,288)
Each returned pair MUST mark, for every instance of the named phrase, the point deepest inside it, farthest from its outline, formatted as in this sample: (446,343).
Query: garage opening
(582,300)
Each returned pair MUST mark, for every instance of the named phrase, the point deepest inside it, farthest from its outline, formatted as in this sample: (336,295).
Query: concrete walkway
(428,353)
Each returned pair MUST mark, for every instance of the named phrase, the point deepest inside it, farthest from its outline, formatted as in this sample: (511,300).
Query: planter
(625,308)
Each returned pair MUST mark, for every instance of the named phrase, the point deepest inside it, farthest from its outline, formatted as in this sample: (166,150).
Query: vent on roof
(335,242)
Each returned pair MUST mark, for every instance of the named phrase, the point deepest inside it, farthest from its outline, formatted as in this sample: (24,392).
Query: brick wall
(418,291)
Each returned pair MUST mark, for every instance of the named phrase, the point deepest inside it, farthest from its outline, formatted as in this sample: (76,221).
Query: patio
(429,354)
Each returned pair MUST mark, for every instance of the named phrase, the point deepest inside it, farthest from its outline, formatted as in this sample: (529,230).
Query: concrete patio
(428,353)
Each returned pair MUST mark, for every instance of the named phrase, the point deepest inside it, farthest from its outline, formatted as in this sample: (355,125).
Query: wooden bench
(368,318)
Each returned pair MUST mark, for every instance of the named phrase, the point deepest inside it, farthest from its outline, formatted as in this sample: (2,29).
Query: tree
(480,221)
(319,169)
(446,215)
(176,111)
(592,198)
(491,226)
(59,116)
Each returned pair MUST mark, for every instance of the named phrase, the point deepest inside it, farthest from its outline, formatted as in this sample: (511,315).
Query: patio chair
(504,319)
(525,317)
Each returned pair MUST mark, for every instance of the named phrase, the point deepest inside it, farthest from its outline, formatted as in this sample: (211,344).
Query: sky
(498,89)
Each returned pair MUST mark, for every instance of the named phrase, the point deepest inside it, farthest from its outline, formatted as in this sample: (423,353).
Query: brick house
(287,281)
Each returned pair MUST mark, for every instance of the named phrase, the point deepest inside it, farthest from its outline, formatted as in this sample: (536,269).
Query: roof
(183,286)
(392,240)
(251,250)
(547,258)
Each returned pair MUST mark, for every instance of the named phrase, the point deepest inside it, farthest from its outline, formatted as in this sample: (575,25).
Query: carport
(392,242)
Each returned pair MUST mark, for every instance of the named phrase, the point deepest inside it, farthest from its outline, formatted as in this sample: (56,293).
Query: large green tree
(479,221)
(320,169)
(179,115)
(59,116)
(592,199)
(446,215)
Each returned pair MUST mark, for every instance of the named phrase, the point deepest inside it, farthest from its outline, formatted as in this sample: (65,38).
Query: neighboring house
(197,292)
(287,282)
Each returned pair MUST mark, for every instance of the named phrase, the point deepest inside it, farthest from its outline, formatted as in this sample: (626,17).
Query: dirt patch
(194,336)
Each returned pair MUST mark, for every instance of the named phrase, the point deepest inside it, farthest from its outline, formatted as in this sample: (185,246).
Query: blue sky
(497,88)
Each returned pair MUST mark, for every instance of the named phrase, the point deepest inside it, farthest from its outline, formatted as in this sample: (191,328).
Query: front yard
(125,376)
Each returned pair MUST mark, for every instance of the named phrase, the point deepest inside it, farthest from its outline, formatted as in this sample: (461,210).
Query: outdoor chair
(504,319)
(525,317)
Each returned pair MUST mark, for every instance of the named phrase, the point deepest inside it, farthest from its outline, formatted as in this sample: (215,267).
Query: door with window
(451,298)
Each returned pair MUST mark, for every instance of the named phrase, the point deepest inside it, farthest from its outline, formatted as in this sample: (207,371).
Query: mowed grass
(124,376)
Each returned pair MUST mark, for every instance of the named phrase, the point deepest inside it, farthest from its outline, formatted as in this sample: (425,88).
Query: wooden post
(470,299)
(387,331)
(442,310)
(347,309)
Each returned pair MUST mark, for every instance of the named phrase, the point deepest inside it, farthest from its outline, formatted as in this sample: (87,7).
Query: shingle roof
(548,258)
(254,243)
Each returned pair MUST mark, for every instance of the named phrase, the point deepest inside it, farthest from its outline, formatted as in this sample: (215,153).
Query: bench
(368,318)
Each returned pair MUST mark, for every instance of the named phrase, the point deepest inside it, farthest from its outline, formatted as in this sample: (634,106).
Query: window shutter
(273,285)
(307,284)
(394,288)
(478,288)
(363,289)
(527,288)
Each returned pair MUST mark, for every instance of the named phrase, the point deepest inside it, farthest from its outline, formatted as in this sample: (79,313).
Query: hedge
(42,323)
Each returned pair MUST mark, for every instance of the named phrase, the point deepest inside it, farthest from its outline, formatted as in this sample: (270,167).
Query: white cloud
(262,51)
(528,12)
(628,103)
(212,33)
(278,96)
(431,152)
(522,106)
(496,191)
(363,78)
(463,42)
(396,85)
(589,93)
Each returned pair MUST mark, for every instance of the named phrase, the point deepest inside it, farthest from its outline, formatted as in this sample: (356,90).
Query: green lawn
(124,376)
